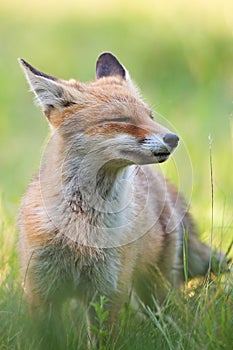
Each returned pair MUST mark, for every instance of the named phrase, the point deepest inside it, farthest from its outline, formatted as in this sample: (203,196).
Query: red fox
(98,218)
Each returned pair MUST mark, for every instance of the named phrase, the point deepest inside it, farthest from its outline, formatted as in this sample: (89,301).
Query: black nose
(171,139)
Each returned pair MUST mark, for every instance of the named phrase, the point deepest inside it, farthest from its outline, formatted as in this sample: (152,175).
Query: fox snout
(160,146)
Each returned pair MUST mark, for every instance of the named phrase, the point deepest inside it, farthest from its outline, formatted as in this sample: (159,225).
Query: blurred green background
(180,53)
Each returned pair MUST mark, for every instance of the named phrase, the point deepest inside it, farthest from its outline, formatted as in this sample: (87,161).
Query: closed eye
(116,120)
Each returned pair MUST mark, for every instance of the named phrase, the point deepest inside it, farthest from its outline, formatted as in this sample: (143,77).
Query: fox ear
(51,93)
(108,65)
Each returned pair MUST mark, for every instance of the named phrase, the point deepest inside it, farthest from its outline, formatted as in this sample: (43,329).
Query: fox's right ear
(51,93)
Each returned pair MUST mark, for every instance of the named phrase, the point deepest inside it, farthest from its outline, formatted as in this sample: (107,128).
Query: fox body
(98,219)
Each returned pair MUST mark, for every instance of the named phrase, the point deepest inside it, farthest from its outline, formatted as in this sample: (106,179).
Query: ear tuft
(108,65)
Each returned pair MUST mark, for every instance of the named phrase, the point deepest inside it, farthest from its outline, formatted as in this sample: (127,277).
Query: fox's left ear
(108,65)
(51,93)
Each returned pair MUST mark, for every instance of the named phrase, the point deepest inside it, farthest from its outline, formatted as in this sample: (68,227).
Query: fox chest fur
(77,247)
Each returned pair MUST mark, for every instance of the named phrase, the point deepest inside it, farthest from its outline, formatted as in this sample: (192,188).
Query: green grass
(182,61)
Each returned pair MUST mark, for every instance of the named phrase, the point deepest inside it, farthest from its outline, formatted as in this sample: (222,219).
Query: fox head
(106,115)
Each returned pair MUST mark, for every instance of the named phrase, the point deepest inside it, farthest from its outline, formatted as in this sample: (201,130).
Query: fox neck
(87,198)
(101,190)
(100,201)
(87,195)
